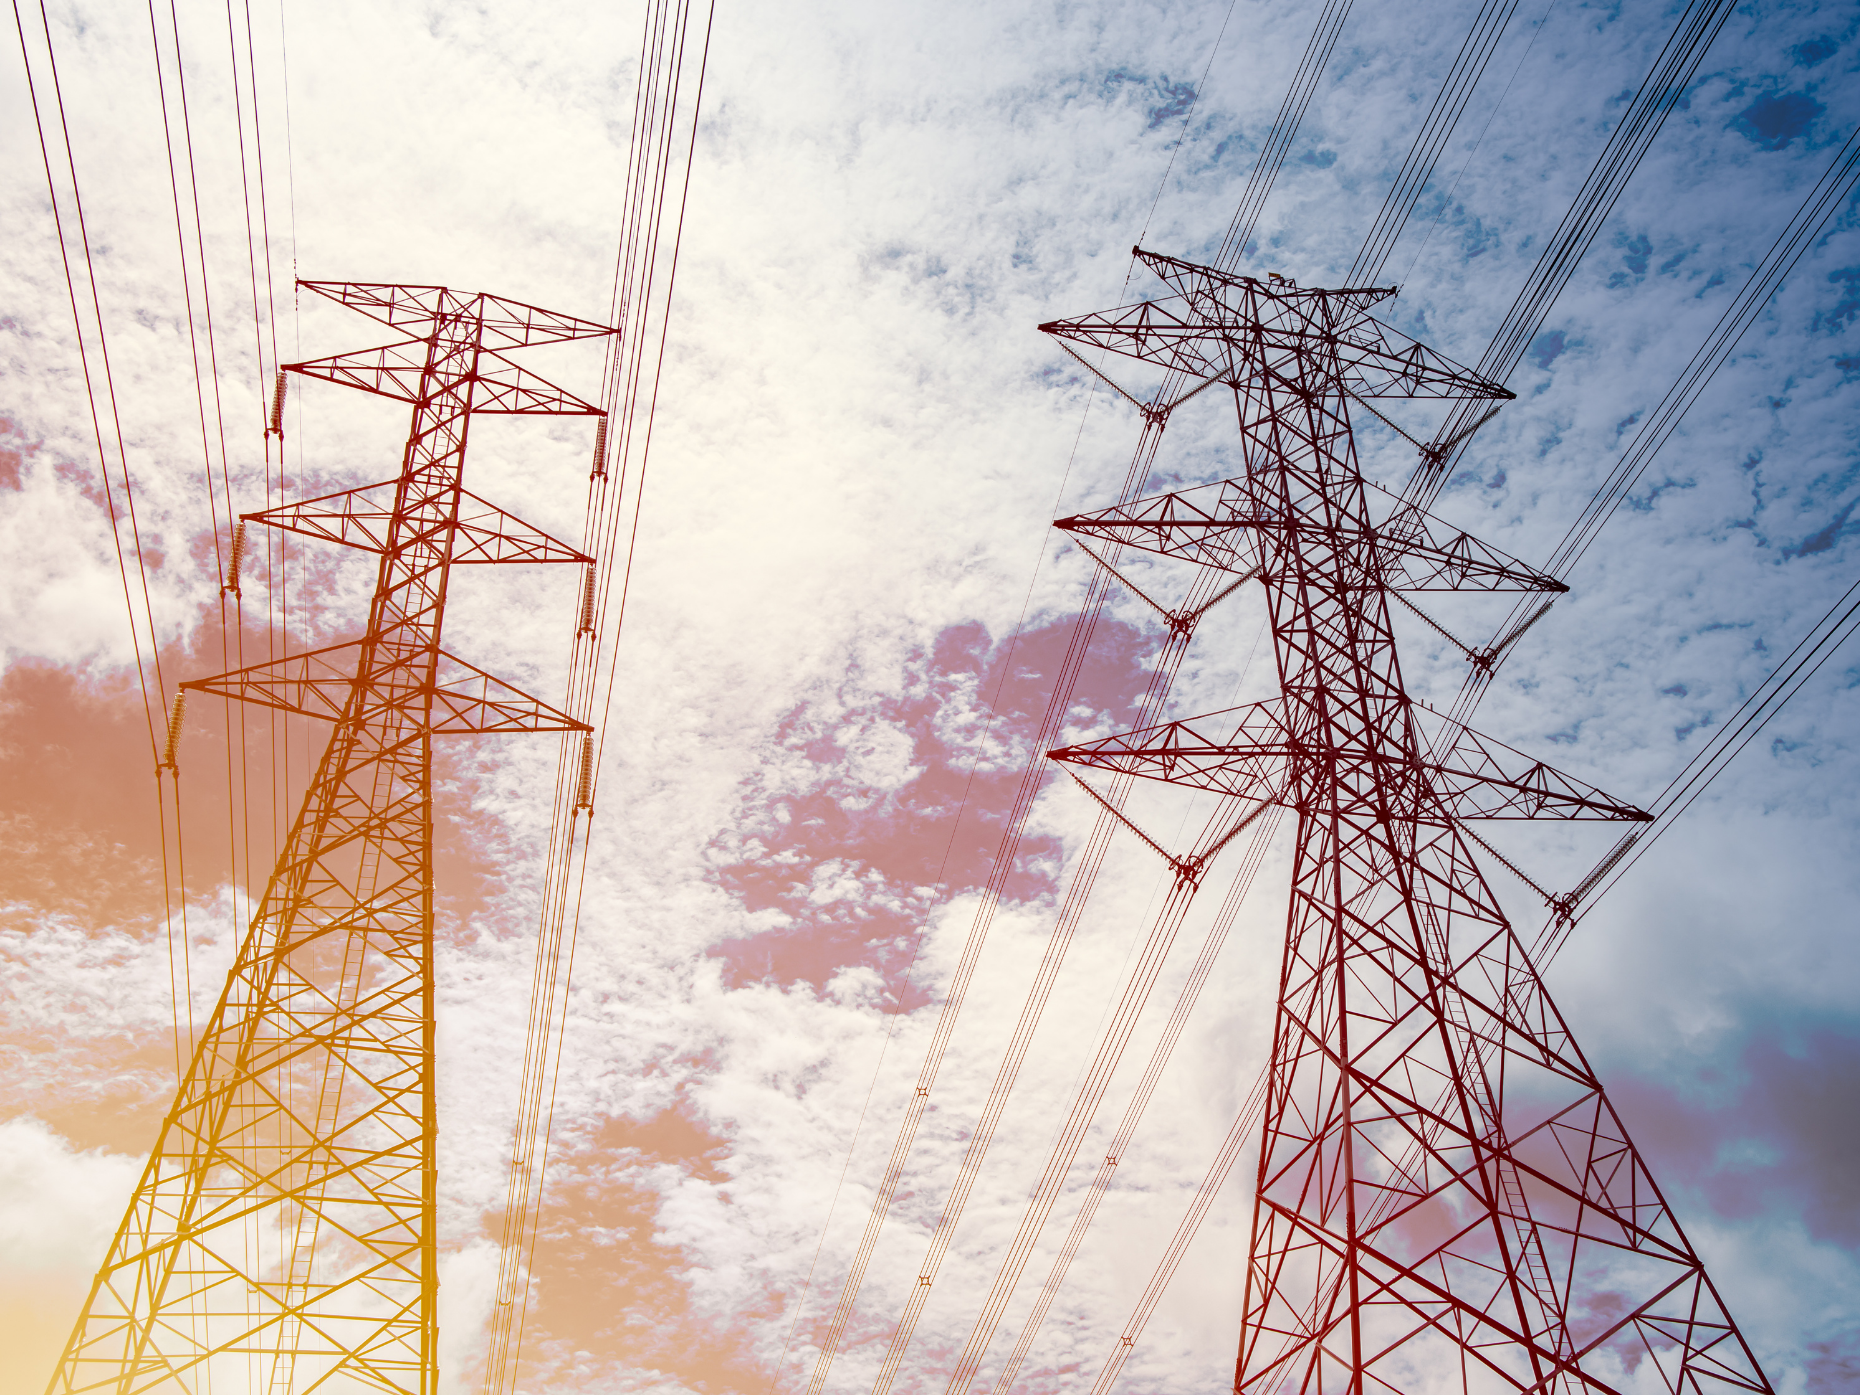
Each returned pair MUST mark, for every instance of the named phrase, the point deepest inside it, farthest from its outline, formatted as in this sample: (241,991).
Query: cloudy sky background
(861,442)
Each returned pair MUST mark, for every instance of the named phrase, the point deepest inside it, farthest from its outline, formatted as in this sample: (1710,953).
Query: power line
(1443,118)
(1659,92)
(645,278)
(1278,142)
(1804,229)
(1743,726)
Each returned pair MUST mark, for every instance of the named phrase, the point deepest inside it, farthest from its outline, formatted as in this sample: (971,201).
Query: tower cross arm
(505,323)
(410,307)
(1480,778)
(1233,328)
(1241,751)
(1193,525)
(393,370)
(1220,525)
(509,389)
(1368,358)
(465,700)
(398,371)
(1423,553)
(360,518)
(1378,361)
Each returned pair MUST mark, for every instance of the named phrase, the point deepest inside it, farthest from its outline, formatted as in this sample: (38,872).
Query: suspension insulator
(584,787)
(175,718)
(234,559)
(586,627)
(277,404)
(600,450)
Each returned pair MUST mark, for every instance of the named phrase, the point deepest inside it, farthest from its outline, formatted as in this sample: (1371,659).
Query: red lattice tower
(282,1237)
(1446,1199)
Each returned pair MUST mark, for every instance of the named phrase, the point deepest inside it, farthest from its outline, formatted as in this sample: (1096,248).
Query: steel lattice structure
(1445,1198)
(282,1236)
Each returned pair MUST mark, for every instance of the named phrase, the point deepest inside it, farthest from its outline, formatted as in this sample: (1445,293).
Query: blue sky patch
(1813,51)
(1772,122)
(1635,254)
(1177,98)
(1824,538)
(1236,142)
(1848,278)
(1546,349)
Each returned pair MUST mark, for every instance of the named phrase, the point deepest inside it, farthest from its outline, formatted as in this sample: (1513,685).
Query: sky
(822,705)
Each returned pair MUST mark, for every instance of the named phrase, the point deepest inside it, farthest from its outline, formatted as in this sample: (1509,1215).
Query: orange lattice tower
(282,1236)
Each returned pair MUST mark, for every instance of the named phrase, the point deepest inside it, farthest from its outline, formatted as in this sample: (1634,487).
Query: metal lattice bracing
(281,1238)
(1445,1198)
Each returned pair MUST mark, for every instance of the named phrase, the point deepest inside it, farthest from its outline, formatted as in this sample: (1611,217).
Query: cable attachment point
(600,450)
(586,624)
(234,559)
(584,785)
(277,405)
(1486,660)
(1565,905)
(1181,622)
(176,716)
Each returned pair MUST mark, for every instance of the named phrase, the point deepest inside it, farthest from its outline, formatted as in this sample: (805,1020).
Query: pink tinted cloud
(843,863)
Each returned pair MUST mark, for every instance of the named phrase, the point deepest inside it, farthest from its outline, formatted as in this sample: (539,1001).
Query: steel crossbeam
(282,1236)
(1445,1199)
(1223,525)
(399,372)
(1235,328)
(1477,777)
(362,518)
(502,323)
(461,698)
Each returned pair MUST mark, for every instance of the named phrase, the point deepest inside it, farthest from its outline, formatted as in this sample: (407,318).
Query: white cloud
(861,442)
(58,1209)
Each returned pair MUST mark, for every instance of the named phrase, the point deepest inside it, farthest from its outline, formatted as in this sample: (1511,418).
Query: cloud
(861,442)
(59,1207)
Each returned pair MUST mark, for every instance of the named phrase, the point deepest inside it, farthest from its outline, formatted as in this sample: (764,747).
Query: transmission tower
(282,1236)
(1445,1198)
